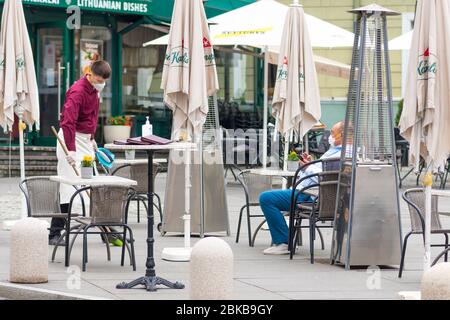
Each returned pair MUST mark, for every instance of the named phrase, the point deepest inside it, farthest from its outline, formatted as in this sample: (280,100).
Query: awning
(137,7)
(162,9)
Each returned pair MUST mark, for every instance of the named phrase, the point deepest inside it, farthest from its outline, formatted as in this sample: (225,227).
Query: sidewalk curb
(19,292)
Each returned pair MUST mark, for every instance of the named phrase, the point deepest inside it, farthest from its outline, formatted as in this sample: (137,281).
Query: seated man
(274,202)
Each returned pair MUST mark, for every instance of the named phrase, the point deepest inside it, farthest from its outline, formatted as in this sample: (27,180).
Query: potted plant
(87,165)
(292,161)
(117,128)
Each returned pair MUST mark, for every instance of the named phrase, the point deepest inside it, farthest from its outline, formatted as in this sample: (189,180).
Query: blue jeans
(272,204)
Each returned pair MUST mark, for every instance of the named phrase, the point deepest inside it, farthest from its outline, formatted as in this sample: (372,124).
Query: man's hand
(72,158)
(305,159)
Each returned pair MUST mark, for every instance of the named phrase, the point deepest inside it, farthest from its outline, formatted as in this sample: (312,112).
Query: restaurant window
(142,69)
(92,44)
(239,107)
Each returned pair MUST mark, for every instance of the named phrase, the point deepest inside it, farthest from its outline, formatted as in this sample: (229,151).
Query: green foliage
(293,156)
(399,113)
(119,121)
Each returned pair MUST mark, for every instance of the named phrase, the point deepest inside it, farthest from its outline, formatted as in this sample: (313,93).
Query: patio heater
(209,209)
(367,229)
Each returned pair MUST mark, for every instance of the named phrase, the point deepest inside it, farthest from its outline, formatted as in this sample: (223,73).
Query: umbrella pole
(427,182)
(266,105)
(22,126)
(285,154)
(187,200)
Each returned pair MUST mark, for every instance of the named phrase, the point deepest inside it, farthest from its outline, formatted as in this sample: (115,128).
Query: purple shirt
(80,112)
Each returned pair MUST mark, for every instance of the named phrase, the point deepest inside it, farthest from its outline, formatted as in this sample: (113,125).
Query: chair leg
(60,240)
(311,239)
(292,244)
(402,261)
(122,258)
(446,247)
(321,238)
(443,253)
(105,238)
(138,211)
(249,227)
(73,240)
(85,253)
(158,198)
(67,238)
(133,256)
(300,234)
(239,224)
(256,232)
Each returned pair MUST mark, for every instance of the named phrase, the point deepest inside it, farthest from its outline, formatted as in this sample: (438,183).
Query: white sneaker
(279,249)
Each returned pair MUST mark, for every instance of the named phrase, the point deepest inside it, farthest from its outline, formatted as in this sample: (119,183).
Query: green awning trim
(135,7)
(162,9)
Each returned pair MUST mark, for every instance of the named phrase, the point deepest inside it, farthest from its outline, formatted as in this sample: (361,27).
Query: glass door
(53,74)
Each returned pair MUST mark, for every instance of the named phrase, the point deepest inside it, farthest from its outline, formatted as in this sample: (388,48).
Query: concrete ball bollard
(436,283)
(29,251)
(211,270)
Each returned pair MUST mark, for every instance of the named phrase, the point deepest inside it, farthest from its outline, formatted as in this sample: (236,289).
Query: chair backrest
(328,183)
(42,196)
(138,172)
(108,203)
(254,185)
(415,198)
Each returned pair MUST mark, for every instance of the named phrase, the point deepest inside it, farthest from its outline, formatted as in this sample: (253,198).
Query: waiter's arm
(69,118)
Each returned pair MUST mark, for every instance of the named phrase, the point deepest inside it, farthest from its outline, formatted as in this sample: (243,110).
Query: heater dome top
(373,8)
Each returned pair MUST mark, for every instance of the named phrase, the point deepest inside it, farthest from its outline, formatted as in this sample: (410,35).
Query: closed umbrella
(189,77)
(425,121)
(189,74)
(296,100)
(18,86)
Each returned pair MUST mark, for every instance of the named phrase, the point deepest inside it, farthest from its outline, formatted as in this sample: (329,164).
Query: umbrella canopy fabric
(425,119)
(189,74)
(402,42)
(296,100)
(260,24)
(18,85)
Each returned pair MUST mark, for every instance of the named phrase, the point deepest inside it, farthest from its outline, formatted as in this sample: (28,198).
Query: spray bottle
(147,128)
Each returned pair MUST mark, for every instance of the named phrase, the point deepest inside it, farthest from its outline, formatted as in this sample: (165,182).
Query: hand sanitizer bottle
(147,128)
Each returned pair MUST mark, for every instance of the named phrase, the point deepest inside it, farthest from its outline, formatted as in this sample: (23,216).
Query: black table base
(150,283)
(150,280)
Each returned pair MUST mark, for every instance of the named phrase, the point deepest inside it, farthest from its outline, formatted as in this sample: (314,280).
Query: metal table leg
(150,280)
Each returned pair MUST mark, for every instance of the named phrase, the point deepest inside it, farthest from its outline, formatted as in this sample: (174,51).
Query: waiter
(77,129)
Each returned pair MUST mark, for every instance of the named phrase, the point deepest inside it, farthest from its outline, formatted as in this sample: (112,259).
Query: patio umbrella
(18,86)
(189,77)
(189,74)
(425,121)
(296,100)
(260,24)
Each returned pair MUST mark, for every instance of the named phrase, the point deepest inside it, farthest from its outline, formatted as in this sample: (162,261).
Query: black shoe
(54,240)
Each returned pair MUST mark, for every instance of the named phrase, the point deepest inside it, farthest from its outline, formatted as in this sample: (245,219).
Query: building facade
(67,35)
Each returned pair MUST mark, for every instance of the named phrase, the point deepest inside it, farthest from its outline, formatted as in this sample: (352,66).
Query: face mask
(100,86)
(331,141)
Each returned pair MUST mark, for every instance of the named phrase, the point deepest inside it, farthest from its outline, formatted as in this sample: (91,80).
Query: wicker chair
(138,172)
(415,198)
(42,198)
(108,208)
(253,185)
(320,209)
